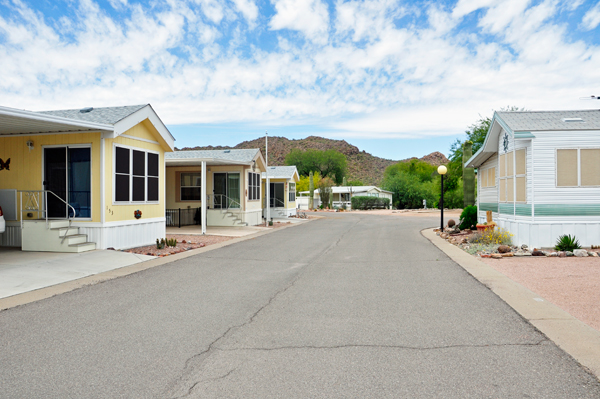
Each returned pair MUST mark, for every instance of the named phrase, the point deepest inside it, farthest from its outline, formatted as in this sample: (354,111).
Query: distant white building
(539,174)
(342,196)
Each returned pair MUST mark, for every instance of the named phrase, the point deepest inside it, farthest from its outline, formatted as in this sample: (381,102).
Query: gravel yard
(184,243)
(573,284)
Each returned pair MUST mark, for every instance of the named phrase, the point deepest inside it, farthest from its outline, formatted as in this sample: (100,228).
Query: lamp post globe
(442,171)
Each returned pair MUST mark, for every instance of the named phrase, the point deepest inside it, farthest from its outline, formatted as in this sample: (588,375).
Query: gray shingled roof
(529,121)
(244,156)
(280,172)
(106,115)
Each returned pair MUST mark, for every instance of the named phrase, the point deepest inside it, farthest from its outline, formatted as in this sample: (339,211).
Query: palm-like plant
(567,243)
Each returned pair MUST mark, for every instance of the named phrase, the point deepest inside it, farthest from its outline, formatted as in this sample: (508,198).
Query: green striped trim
(567,210)
(488,206)
(507,209)
(523,209)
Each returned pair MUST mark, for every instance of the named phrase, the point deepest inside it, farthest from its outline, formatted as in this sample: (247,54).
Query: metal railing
(183,217)
(221,201)
(275,203)
(34,204)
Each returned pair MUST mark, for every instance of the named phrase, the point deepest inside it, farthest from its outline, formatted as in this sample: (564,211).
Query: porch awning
(20,122)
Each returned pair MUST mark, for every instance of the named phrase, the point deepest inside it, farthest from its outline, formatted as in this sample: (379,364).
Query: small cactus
(468,175)
(311,188)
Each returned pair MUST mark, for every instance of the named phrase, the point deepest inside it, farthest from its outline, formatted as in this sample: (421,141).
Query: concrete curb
(573,336)
(47,292)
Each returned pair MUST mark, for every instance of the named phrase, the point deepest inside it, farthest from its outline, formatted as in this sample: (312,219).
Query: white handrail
(33,204)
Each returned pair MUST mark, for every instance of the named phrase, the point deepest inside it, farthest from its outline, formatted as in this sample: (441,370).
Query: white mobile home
(342,195)
(282,190)
(539,174)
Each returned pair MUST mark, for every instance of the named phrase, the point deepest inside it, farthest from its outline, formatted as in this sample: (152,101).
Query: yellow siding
(116,212)
(26,167)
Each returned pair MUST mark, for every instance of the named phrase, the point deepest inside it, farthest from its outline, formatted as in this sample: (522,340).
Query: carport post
(204,199)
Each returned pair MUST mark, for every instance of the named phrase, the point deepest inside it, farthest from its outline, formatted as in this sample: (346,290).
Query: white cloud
(307,16)
(363,74)
(591,19)
(248,9)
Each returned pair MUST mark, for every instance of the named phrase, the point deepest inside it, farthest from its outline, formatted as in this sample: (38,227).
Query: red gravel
(191,242)
(573,284)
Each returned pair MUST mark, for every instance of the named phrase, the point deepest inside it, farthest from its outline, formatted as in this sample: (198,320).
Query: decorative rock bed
(460,238)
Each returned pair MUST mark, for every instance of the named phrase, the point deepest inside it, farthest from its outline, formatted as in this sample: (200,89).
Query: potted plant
(481,227)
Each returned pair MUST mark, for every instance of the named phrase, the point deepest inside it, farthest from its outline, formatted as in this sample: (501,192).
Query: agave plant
(567,243)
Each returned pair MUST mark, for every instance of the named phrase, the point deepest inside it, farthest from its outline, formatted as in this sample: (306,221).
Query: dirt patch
(184,243)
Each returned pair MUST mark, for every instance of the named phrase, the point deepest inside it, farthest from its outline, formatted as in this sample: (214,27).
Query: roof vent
(86,110)
(227,151)
(572,120)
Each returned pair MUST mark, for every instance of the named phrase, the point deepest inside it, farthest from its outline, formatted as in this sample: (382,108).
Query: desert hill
(361,165)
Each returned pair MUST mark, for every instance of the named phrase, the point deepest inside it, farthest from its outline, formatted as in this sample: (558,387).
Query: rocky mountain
(361,165)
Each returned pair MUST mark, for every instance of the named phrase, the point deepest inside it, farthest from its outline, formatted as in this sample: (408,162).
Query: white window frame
(114,174)
(182,186)
(578,166)
(290,185)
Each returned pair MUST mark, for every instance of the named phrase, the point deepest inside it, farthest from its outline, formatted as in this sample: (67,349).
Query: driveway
(351,305)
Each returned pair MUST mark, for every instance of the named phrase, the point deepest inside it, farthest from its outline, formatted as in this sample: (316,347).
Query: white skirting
(124,235)
(11,236)
(540,234)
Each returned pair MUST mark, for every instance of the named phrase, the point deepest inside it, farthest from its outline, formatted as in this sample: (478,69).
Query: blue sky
(396,78)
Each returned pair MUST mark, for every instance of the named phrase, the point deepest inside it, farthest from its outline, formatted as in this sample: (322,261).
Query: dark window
(253,186)
(152,188)
(139,163)
(122,161)
(121,187)
(136,180)
(139,188)
(292,196)
(152,164)
(190,184)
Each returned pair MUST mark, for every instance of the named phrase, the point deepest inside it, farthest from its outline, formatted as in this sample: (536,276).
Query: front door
(67,174)
(226,190)
(277,194)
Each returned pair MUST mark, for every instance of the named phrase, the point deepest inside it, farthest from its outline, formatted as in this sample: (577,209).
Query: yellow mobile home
(83,178)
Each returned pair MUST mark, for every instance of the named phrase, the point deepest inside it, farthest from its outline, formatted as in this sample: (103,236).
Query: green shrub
(468,217)
(366,202)
(567,243)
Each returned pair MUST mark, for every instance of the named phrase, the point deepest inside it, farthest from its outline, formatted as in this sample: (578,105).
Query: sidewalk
(573,336)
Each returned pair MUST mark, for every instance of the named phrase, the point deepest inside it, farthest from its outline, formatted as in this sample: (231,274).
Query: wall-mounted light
(30,145)
(254,165)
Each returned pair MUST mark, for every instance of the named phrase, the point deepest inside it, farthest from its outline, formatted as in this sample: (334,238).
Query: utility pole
(268,198)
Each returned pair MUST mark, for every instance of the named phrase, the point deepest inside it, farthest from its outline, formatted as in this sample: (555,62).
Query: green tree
(329,163)
(411,183)
(303,183)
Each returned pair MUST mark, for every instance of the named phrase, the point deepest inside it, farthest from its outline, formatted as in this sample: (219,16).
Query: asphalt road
(351,305)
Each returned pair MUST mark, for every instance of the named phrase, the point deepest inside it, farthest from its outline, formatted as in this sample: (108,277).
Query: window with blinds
(578,167)
(512,175)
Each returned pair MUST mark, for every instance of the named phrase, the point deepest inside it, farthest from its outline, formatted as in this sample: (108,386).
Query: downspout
(532,184)
(102,189)
(204,199)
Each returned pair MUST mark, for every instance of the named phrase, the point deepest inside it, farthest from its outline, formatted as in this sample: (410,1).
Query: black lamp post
(442,171)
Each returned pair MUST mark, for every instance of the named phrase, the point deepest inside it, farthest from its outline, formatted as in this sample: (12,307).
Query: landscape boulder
(503,249)
(580,253)
(537,252)
(451,223)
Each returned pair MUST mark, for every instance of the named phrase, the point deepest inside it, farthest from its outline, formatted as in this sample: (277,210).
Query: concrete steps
(56,237)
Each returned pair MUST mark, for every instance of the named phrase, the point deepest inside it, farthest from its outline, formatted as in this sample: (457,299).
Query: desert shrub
(492,236)
(366,202)
(567,243)
(468,217)
(489,248)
